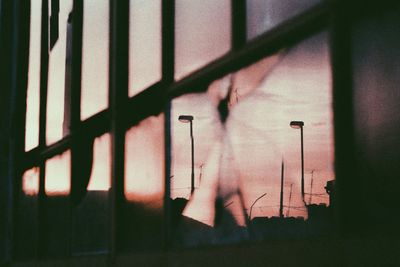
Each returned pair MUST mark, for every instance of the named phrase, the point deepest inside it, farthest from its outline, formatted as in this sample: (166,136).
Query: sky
(202,33)
(265,14)
(295,85)
(245,153)
(95,47)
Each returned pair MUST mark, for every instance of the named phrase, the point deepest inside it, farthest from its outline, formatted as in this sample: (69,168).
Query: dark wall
(5,94)
(13,75)
(376,94)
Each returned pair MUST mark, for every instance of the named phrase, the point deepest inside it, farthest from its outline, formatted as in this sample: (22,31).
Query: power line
(311,186)
(316,194)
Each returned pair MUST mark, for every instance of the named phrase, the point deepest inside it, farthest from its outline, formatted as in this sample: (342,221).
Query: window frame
(331,15)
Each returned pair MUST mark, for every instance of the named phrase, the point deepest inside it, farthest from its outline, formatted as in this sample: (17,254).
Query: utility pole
(251,208)
(290,200)
(300,125)
(189,119)
(192,174)
(311,186)
(302,163)
(281,202)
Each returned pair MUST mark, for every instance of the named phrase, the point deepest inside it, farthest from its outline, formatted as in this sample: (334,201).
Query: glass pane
(57,208)
(144,44)
(202,33)
(248,131)
(33,93)
(95,46)
(90,231)
(56,78)
(58,182)
(194,215)
(376,72)
(263,15)
(27,214)
(30,182)
(143,224)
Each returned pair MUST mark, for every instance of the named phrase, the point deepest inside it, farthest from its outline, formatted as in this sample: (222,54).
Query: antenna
(201,172)
(251,208)
(227,205)
(236,94)
(281,202)
(290,200)
(311,186)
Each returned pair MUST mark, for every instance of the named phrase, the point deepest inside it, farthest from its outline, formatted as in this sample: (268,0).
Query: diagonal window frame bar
(110,120)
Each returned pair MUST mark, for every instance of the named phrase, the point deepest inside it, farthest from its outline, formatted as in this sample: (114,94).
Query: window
(90,218)
(95,49)
(135,127)
(247,156)
(144,44)
(26,238)
(376,75)
(197,41)
(264,15)
(163,127)
(33,90)
(143,218)
(65,186)
(56,72)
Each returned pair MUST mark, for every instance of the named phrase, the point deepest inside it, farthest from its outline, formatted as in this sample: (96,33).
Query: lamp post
(186,119)
(299,125)
(251,208)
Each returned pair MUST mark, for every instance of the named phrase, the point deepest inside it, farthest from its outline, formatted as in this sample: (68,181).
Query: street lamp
(186,119)
(299,125)
(251,208)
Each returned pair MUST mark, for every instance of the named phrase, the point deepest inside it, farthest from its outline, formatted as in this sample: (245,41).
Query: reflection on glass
(144,184)
(144,153)
(263,15)
(90,232)
(26,216)
(200,220)
(144,44)
(57,179)
(56,78)
(33,91)
(206,132)
(30,182)
(247,158)
(100,179)
(57,187)
(95,47)
(202,33)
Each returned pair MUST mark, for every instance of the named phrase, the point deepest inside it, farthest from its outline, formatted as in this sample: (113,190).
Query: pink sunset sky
(245,153)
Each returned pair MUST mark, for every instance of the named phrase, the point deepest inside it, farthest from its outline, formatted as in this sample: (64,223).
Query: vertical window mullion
(73,71)
(43,75)
(72,101)
(17,108)
(347,180)
(168,41)
(44,59)
(72,107)
(168,67)
(75,105)
(6,204)
(41,212)
(238,24)
(118,95)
